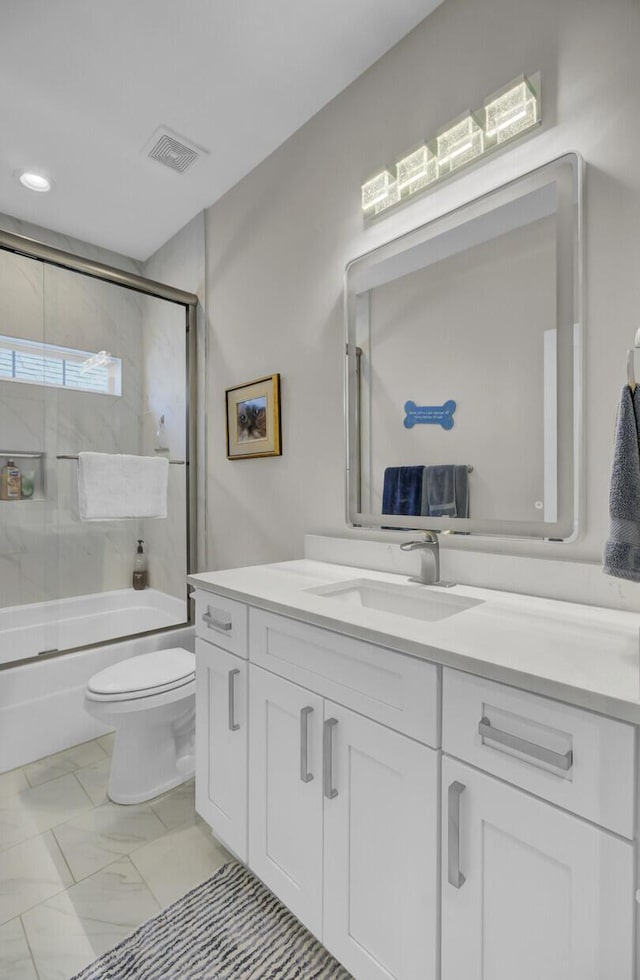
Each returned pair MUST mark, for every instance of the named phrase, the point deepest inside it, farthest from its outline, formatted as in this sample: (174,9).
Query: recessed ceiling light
(34,182)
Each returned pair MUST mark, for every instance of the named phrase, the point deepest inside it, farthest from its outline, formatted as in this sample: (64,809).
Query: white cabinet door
(285,781)
(221,744)
(381,812)
(529,891)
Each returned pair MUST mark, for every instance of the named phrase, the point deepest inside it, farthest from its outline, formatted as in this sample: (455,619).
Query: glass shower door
(24,588)
(123,356)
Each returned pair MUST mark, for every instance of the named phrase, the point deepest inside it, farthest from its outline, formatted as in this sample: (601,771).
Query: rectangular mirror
(463,366)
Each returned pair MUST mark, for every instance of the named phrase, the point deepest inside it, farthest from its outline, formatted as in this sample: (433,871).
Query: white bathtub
(63,624)
(42,702)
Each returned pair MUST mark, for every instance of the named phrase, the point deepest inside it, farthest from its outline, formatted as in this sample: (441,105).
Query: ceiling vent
(172,150)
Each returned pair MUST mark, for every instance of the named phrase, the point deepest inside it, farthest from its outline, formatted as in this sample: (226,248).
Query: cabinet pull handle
(327,758)
(454,874)
(305,775)
(557,759)
(222,625)
(233,726)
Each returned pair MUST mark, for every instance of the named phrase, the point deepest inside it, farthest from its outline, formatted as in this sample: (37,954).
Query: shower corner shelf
(27,462)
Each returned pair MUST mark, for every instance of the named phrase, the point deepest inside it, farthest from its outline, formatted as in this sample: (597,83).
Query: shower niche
(32,468)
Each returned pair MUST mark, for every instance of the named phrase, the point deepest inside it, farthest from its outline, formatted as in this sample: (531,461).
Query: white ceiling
(84,84)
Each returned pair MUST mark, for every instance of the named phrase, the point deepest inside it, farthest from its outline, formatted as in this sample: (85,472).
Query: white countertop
(588,656)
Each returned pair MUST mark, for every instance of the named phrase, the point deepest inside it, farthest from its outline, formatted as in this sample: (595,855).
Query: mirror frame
(569,307)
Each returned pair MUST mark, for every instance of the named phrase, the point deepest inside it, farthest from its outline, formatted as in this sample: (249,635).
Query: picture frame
(253,419)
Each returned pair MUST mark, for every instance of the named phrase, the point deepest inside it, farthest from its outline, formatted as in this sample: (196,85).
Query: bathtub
(42,702)
(63,624)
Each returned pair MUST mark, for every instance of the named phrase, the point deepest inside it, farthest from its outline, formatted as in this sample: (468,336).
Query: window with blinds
(30,362)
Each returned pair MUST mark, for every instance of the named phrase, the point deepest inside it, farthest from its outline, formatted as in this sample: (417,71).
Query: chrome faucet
(430,559)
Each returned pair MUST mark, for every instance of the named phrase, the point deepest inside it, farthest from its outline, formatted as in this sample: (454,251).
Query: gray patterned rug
(229,928)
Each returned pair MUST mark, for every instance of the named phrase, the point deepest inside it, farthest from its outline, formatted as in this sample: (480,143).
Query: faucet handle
(430,537)
(411,545)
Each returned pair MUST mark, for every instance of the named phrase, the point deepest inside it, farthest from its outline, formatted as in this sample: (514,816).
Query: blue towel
(447,491)
(622,549)
(403,490)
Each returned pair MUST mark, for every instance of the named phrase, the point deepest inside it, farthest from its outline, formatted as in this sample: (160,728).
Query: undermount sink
(414,601)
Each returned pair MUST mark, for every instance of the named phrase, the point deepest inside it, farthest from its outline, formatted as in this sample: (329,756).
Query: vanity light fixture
(34,182)
(507,114)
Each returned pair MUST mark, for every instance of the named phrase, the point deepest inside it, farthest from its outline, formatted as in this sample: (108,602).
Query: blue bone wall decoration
(429,414)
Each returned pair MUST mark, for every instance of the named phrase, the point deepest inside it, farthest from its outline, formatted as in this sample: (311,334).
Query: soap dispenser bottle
(161,437)
(140,568)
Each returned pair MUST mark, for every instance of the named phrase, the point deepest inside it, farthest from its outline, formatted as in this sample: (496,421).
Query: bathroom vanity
(438,783)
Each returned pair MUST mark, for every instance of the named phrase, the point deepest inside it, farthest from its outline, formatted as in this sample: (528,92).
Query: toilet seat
(143,677)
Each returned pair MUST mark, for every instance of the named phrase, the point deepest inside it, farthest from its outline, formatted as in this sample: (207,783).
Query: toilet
(150,701)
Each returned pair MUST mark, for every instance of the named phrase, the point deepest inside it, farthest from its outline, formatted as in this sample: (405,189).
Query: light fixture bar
(507,114)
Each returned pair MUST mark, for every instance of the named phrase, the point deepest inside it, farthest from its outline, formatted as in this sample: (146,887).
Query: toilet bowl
(150,701)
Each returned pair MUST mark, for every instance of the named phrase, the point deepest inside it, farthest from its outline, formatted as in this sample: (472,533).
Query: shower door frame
(48,255)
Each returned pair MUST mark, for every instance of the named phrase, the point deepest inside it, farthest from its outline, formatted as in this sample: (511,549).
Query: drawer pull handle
(454,874)
(327,760)
(305,775)
(222,625)
(557,759)
(233,726)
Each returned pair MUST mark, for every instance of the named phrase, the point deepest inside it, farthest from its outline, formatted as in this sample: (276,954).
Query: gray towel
(447,491)
(462,491)
(622,549)
(441,491)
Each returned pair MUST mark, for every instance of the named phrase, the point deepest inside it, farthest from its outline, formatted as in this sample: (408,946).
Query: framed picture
(253,419)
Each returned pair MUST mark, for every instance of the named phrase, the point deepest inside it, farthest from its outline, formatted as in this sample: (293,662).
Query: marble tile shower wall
(45,552)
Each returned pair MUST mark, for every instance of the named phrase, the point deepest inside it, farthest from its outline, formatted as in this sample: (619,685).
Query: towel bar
(173,462)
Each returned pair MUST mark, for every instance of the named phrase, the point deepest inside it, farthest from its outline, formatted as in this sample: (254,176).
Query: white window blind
(31,362)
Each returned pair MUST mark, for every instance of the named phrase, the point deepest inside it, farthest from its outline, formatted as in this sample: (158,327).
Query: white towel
(113,487)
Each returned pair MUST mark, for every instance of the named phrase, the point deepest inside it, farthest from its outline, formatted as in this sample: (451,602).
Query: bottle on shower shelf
(10,482)
(140,568)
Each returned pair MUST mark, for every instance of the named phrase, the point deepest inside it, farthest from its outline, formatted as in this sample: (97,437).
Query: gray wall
(277,245)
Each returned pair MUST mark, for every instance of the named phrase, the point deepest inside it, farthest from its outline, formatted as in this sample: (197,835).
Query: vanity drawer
(577,760)
(222,621)
(390,687)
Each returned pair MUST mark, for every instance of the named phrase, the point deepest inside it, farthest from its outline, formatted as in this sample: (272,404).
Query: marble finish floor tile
(15,955)
(96,839)
(127,861)
(12,782)
(31,872)
(35,810)
(94,780)
(70,760)
(177,807)
(72,929)
(179,861)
